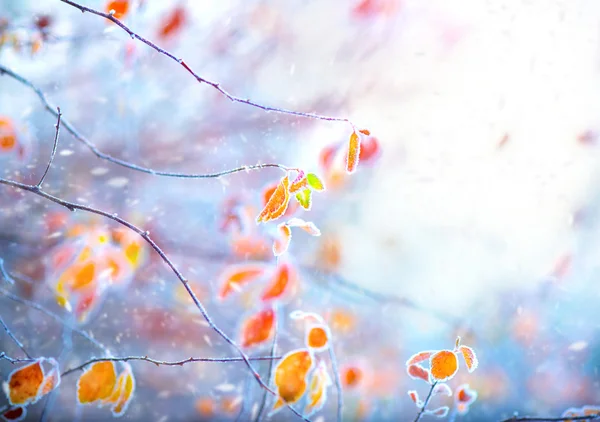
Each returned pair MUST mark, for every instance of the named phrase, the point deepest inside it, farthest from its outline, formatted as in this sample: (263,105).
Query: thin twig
(53,149)
(123,163)
(200,79)
(4,356)
(5,273)
(146,236)
(16,340)
(263,401)
(425,403)
(564,418)
(338,381)
(51,314)
(164,362)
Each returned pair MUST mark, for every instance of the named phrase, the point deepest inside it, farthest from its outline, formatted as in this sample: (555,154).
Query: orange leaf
(24,383)
(283,283)
(444,365)
(418,372)
(258,328)
(351,376)
(173,23)
(277,204)
(290,377)
(369,149)
(280,246)
(470,357)
(465,395)
(317,393)
(300,182)
(119,6)
(97,382)
(353,153)
(419,357)
(15,414)
(236,276)
(365,132)
(127,388)
(317,337)
(51,381)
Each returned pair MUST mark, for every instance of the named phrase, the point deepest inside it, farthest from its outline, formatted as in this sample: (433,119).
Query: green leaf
(304,198)
(314,182)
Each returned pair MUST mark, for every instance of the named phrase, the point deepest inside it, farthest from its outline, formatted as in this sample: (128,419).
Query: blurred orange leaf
(280,246)
(317,392)
(120,8)
(173,23)
(236,276)
(258,328)
(283,283)
(419,357)
(418,372)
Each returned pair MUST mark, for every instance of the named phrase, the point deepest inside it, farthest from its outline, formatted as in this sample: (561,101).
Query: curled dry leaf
(281,244)
(317,392)
(353,153)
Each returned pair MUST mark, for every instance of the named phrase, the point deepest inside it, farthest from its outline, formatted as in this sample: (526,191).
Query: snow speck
(99,171)
(578,346)
(66,152)
(117,182)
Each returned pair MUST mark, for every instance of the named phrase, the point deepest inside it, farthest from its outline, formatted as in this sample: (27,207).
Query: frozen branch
(198,78)
(565,418)
(425,403)
(146,236)
(123,163)
(39,185)
(12,336)
(164,362)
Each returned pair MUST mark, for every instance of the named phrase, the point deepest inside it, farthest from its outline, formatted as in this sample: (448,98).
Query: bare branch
(425,403)
(5,273)
(166,363)
(12,336)
(123,163)
(270,370)
(338,382)
(198,78)
(53,149)
(14,361)
(146,236)
(565,418)
(54,316)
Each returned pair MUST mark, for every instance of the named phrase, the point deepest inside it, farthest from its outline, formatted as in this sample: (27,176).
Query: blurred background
(473,212)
